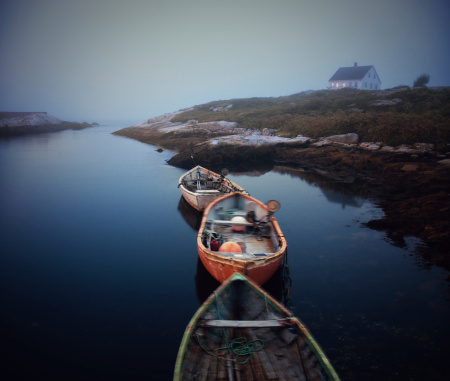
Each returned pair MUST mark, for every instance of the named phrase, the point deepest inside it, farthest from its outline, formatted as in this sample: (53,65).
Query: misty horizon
(111,60)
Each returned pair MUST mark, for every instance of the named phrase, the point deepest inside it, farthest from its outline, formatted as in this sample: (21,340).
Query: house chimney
(355,64)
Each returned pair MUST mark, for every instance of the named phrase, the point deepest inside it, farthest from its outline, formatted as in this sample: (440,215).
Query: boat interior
(238,318)
(242,221)
(200,181)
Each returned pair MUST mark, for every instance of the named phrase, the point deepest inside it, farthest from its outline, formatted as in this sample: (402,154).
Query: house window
(356,84)
(332,84)
(369,75)
(370,85)
(365,85)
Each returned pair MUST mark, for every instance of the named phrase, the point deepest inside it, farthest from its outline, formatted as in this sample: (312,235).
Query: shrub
(421,80)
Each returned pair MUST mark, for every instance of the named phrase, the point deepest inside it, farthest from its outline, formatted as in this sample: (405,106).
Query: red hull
(221,267)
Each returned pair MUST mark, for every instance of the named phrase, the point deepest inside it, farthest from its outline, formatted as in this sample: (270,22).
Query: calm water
(100,273)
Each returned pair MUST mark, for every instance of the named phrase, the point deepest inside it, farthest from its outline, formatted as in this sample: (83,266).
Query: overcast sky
(89,60)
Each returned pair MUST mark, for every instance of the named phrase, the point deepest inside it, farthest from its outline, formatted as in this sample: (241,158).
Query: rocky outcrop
(410,183)
(21,119)
(226,108)
(23,123)
(348,139)
(223,136)
(386,102)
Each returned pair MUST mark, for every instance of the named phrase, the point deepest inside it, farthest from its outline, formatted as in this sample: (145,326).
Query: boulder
(218,109)
(424,147)
(386,102)
(269,132)
(370,146)
(444,162)
(344,139)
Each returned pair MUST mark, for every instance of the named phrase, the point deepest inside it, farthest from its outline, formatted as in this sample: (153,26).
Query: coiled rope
(240,346)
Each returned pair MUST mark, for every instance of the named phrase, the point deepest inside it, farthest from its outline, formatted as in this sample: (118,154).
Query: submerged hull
(200,187)
(261,252)
(241,333)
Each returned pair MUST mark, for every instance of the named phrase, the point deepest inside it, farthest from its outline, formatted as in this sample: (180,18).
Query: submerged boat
(241,333)
(240,234)
(199,186)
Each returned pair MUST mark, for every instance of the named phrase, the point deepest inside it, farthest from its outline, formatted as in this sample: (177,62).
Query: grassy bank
(406,116)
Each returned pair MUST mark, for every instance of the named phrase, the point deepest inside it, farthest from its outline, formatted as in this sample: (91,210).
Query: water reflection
(205,283)
(345,190)
(342,199)
(247,169)
(192,216)
(278,286)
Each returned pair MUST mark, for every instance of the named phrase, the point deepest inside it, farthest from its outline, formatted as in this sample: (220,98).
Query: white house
(356,77)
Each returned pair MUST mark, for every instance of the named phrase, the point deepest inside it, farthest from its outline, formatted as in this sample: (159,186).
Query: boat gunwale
(181,185)
(271,257)
(307,336)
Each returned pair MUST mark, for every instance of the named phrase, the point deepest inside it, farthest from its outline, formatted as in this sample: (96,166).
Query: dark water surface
(100,273)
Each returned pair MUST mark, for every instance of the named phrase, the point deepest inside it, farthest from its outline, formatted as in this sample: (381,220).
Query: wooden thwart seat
(227,222)
(241,323)
(207,191)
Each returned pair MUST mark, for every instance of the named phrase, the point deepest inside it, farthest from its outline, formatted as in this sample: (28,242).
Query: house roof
(352,73)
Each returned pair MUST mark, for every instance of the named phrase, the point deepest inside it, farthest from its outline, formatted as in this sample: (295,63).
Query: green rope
(239,346)
(243,348)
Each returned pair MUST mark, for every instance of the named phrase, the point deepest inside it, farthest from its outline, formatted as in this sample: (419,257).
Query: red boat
(240,234)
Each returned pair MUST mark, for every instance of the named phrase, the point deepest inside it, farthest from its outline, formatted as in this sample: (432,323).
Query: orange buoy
(230,247)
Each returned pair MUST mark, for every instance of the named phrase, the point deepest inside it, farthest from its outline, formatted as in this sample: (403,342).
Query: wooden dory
(199,186)
(249,226)
(241,333)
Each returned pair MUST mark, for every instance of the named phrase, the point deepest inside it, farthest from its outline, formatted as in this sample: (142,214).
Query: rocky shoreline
(410,184)
(26,123)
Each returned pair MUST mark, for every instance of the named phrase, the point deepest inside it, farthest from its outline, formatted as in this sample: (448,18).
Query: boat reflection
(206,284)
(192,216)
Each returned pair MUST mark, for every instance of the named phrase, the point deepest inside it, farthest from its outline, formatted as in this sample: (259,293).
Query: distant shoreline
(28,123)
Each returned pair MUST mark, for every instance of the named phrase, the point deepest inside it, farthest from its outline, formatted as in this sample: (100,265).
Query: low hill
(393,117)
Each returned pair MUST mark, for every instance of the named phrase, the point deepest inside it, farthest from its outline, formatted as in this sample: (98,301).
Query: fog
(90,60)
